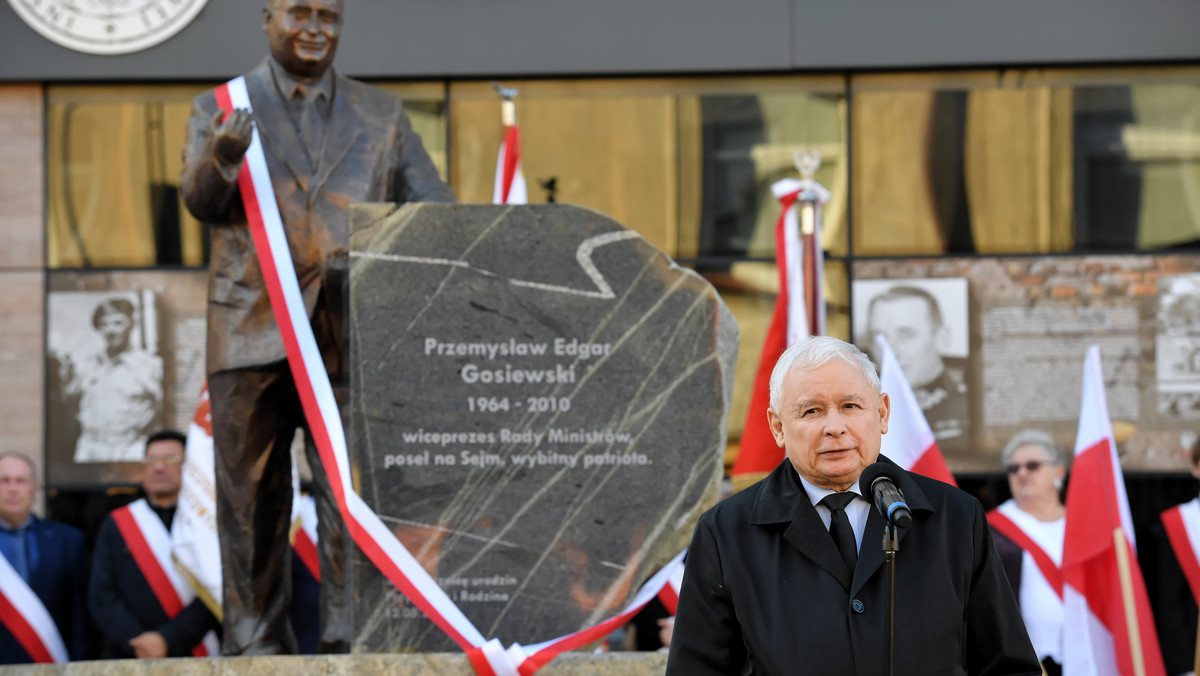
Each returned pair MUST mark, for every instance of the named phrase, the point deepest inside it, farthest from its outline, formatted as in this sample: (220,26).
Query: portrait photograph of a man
(105,374)
(926,322)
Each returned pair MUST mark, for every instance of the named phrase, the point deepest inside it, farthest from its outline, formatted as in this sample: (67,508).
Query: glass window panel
(425,104)
(1026,161)
(114,156)
(687,163)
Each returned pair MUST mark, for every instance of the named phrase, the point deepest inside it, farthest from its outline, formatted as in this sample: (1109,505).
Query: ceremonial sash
(26,618)
(1182,523)
(149,543)
(669,596)
(372,536)
(304,533)
(1045,564)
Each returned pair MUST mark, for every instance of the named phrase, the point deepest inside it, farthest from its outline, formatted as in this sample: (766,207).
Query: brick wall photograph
(1030,321)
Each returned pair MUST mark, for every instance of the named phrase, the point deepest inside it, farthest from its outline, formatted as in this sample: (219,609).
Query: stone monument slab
(539,404)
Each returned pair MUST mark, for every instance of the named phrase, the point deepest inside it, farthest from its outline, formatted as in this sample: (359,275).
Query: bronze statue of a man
(329,142)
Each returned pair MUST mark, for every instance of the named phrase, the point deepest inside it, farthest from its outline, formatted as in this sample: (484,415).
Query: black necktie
(839,526)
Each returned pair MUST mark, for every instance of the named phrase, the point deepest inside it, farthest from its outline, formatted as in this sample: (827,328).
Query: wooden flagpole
(1131,618)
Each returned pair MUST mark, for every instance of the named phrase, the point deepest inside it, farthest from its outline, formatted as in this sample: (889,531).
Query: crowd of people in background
(106,605)
(126,600)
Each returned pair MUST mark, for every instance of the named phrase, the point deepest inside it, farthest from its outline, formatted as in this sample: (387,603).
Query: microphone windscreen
(874,471)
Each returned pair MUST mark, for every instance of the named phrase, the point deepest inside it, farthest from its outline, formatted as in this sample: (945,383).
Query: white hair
(808,354)
(1031,437)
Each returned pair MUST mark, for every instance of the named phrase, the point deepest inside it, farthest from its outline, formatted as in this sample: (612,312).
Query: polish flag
(1108,628)
(909,440)
(195,543)
(510,181)
(799,312)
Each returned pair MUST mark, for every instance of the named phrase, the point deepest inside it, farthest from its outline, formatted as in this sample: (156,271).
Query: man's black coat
(123,605)
(765,591)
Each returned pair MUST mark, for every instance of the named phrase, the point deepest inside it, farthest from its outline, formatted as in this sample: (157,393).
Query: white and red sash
(1182,523)
(376,540)
(26,618)
(669,594)
(149,542)
(1046,565)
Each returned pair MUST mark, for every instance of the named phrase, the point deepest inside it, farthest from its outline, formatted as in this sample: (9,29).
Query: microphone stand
(891,545)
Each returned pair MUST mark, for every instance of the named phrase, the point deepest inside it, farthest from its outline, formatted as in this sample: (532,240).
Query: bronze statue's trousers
(255,414)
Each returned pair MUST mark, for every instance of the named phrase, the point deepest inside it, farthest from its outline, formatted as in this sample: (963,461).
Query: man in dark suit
(126,609)
(329,142)
(787,576)
(50,557)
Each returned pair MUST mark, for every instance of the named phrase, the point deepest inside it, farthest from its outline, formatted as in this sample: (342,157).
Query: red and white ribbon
(669,595)
(510,180)
(26,618)
(374,538)
(304,533)
(149,543)
(1046,566)
(1182,524)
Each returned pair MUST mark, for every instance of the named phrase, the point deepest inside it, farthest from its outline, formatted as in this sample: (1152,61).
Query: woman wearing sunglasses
(1028,530)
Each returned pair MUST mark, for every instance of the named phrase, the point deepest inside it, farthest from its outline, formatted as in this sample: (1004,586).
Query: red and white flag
(303,532)
(195,544)
(149,543)
(510,181)
(799,312)
(1109,629)
(1182,523)
(909,440)
(25,617)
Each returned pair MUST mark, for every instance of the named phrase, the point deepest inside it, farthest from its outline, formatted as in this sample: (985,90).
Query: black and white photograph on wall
(1177,347)
(926,322)
(105,375)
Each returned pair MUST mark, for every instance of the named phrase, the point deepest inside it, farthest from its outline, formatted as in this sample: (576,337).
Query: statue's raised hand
(232,137)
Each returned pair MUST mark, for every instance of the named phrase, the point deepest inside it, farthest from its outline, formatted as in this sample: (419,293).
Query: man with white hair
(787,576)
(43,574)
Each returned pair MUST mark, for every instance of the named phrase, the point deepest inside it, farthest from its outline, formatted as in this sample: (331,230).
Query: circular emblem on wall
(107,26)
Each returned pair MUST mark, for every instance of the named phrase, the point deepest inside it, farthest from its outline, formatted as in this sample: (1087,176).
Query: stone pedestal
(538,411)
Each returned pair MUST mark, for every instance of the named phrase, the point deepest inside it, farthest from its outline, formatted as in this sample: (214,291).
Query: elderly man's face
(830,423)
(17,489)
(303,34)
(910,330)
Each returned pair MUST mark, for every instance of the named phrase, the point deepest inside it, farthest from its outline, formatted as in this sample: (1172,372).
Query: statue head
(303,34)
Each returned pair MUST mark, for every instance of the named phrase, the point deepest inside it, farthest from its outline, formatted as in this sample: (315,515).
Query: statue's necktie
(310,121)
(839,526)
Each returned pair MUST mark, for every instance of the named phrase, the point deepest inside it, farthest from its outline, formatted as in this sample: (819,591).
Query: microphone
(879,479)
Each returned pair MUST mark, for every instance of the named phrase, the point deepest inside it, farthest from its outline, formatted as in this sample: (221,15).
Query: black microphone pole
(879,481)
(891,545)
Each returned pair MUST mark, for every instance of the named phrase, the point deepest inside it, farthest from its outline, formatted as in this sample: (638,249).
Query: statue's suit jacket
(765,591)
(369,154)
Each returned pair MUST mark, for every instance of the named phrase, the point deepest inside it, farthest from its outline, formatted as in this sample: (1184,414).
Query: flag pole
(1131,618)
(508,104)
(807,161)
